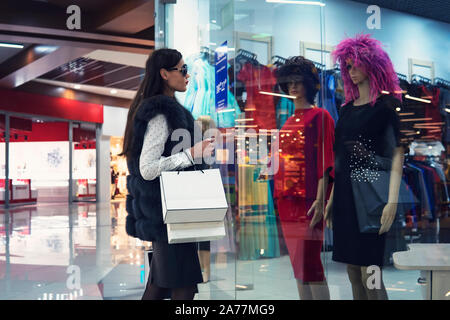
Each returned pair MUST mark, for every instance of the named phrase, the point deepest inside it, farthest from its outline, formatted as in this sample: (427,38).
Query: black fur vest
(143,204)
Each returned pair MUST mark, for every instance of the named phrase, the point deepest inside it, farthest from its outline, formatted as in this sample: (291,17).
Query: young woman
(367,130)
(150,148)
(305,165)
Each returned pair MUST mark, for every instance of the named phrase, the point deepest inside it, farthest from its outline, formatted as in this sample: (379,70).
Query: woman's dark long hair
(152,85)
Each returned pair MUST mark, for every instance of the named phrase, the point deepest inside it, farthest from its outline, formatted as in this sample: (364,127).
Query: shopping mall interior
(68,75)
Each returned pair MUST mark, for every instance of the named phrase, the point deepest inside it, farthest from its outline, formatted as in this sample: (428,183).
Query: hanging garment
(423,192)
(328,94)
(259,107)
(257,231)
(200,96)
(444,100)
(432,110)
(284,110)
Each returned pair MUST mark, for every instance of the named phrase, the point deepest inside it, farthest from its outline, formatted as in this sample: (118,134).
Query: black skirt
(175,265)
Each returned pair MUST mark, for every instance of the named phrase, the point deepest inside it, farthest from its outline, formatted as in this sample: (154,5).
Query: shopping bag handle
(193,165)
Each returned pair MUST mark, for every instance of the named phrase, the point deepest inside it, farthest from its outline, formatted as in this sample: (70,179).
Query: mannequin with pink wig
(371,94)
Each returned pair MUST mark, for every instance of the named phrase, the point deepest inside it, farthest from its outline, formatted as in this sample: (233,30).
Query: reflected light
(396,289)
(313,3)
(11,45)
(277,95)
(222,111)
(417,99)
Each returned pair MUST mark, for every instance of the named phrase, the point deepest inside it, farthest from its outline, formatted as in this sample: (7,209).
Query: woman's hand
(317,207)
(202,149)
(388,216)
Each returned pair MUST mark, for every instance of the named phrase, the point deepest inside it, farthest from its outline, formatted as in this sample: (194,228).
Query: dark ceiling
(432,9)
(97,73)
(6,53)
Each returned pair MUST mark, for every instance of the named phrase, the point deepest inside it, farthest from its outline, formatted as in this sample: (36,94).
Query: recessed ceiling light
(77,86)
(11,45)
(113,91)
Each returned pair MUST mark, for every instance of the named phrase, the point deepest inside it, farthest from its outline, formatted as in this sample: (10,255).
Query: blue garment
(284,109)
(329,102)
(200,97)
(425,196)
(441,174)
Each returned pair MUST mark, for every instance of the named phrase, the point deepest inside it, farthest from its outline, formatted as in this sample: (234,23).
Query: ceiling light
(113,91)
(77,86)
(11,45)
(417,99)
(314,3)
(277,95)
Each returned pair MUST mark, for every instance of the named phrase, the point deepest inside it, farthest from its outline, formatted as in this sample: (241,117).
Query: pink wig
(368,54)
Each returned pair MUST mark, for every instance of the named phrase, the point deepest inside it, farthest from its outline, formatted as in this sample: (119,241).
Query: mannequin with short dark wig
(299,69)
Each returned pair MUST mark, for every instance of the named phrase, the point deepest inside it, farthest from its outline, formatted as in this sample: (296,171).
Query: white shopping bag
(195,231)
(193,196)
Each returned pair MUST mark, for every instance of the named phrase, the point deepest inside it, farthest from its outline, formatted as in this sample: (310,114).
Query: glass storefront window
(38,160)
(360,59)
(84,161)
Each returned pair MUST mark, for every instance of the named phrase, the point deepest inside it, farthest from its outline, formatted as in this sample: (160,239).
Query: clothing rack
(277,60)
(247,55)
(319,66)
(402,76)
(419,78)
(207,54)
(442,82)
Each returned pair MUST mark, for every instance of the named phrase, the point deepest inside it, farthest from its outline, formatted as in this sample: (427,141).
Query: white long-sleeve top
(151,161)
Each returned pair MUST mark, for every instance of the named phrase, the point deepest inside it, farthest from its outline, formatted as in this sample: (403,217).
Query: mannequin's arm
(317,206)
(328,213)
(390,209)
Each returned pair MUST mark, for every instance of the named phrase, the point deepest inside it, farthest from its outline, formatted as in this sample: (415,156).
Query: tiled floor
(55,252)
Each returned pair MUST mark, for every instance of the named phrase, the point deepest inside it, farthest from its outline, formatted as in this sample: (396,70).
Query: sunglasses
(183,70)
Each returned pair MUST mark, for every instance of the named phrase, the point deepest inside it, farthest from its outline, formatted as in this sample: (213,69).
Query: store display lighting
(11,45)
(277,94)
(313,3)
(417,99)
(229,110)
(415,119)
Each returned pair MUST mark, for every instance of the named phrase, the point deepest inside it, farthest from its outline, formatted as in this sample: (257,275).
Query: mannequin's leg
(304,290)
(320,290)
(152,292)
(354,275)
(374,294)
(205,263)
(187,293)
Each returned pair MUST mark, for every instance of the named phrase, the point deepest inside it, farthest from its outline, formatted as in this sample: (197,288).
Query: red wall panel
(30,103)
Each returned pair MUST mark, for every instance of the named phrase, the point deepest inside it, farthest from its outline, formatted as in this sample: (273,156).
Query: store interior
(51,225)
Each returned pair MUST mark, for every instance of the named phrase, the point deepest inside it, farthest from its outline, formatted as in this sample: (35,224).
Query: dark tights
(153,292)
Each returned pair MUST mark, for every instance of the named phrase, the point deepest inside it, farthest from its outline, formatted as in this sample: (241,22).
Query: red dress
(305,154)
(259,107)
